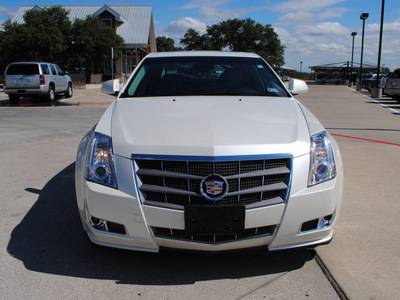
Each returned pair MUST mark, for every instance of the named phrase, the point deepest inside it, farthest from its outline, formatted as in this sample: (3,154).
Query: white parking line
(376,101)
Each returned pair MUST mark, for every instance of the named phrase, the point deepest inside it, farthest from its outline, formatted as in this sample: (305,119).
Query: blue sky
(313,31)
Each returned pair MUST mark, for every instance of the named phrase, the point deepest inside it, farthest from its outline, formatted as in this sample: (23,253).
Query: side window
(106,21)
(53,70)
(59,71)
(137,81)
(45,69)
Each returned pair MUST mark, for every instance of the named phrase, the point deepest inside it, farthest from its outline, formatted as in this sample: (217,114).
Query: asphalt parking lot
(45,254)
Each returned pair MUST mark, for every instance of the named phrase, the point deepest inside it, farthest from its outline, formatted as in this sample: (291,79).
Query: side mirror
(110,87)
(297,86)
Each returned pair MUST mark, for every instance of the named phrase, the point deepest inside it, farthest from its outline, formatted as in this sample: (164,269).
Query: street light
(377,92)
(353,34)
(301,67)
(363,17)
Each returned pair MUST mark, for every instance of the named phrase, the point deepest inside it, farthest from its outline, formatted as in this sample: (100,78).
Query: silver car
(329,79)
(36,78)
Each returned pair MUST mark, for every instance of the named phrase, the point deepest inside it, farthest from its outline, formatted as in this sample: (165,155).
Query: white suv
(36,78)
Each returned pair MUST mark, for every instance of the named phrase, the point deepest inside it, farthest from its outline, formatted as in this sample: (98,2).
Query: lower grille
(178,234)
(251,182)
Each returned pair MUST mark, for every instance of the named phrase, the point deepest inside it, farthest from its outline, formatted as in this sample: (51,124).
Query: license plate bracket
(214,220)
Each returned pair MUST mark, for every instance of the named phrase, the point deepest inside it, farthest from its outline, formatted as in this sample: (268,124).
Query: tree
(165,44)
(238,35)
(11,44)
(42,37)
(48,35)
(92,41)
(192,40)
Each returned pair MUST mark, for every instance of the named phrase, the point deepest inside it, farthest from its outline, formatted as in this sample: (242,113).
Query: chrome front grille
(254,183)
(177,234)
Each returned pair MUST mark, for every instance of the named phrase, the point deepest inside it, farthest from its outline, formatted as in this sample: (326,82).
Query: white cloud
(391,27)
(7,12)
(201,3)
(283,33)
(332,12)
(323,29)
(302,16)
(182,24)
(218,14)
(305,5)
(214,14)
(295,18)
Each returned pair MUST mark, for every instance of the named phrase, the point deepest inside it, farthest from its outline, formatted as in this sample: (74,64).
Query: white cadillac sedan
(208,151)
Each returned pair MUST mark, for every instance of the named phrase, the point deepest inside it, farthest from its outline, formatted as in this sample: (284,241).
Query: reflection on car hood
(209,126)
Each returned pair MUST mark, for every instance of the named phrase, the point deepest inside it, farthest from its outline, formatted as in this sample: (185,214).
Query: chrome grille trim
(178,234)
(252,180)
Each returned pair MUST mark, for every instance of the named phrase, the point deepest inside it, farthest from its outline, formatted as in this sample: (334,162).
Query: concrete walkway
(364,256)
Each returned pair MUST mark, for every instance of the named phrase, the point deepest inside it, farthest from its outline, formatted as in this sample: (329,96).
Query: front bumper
(288,223)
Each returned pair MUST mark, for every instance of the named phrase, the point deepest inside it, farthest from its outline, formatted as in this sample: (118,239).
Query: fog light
(325,221)
(98,224)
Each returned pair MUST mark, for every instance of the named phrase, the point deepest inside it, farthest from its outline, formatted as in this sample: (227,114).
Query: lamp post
(301,67)
(363,17)
(377,91)
(353,34)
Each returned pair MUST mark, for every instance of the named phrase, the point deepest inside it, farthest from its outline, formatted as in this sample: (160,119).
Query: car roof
(202,53)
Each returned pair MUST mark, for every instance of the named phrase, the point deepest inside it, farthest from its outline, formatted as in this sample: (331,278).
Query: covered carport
(343,70)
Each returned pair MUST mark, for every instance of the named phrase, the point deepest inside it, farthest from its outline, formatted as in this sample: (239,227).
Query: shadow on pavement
(33,102)
(50,239)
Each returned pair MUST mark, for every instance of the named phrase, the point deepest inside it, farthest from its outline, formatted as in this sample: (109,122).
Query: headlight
(322,162)
(100,165)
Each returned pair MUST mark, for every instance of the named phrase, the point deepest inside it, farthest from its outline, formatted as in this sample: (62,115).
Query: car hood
(209,126)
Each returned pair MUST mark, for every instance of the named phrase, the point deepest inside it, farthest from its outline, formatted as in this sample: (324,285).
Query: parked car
(392,88)
(185,159)
(370,83)
(359,79)
(365,80)
(36,79)
(329,79)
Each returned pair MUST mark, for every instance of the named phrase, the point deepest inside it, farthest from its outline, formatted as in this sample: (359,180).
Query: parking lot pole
(353,34)
(363,17)
(377,91)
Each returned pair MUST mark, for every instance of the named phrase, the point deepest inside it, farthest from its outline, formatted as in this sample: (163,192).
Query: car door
(57,79)
(61,79)
(53,77)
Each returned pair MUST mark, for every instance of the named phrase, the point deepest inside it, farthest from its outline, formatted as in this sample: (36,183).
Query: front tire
(69,92)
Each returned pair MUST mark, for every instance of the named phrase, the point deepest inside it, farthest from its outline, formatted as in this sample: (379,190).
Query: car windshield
(23,69)
(191,76)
